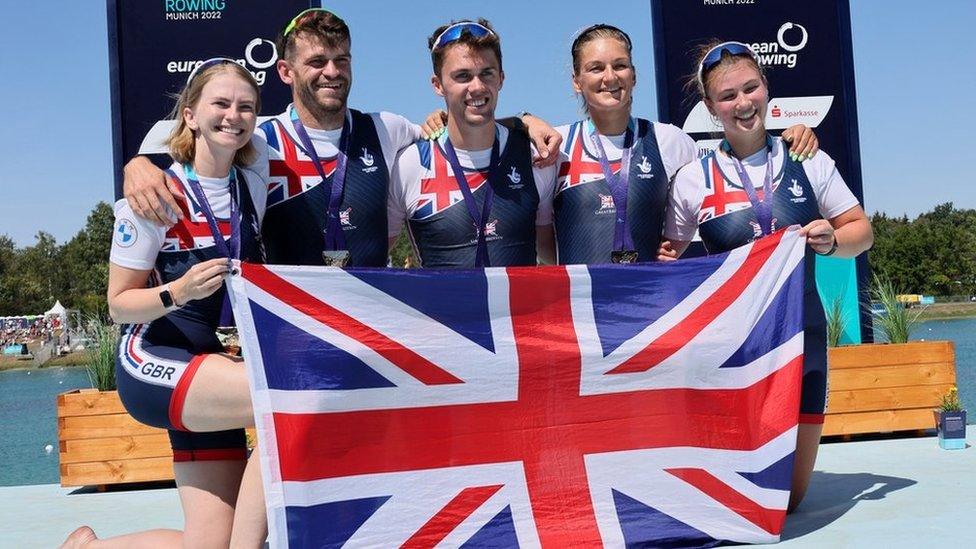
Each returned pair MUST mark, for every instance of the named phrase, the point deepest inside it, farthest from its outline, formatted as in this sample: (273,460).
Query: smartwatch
(167,299)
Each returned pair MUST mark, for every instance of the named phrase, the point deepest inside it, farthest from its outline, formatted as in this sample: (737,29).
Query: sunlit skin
(737,95)
(606,80)
(469,81)
(222,121)
(320,78)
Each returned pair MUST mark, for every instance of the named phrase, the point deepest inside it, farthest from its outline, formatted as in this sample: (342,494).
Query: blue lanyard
(234,249)
(480,221)
(763,208)
(618,183)
(333,239)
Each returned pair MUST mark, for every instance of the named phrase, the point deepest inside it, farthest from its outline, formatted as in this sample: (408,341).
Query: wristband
(833,248)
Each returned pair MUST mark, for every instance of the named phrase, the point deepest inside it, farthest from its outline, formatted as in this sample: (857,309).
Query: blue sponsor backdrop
(154,44)
(806,49)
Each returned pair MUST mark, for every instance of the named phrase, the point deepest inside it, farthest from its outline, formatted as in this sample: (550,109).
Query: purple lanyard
(763,208)
(480,221)
(234,250)
(333,237)
(618,183)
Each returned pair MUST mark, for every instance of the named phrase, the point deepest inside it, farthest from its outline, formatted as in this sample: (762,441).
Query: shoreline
(13,367)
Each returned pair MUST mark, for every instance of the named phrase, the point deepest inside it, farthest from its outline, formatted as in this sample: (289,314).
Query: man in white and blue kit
(473,197)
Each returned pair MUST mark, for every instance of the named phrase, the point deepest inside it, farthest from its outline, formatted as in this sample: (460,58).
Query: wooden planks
(89,402)
(115,448)
(100,443)
(886,388)
(117,471)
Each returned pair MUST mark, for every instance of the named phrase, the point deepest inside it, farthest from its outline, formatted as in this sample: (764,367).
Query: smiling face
(737,95)
(320,76)
(469,81)
(224,116)
(605,76)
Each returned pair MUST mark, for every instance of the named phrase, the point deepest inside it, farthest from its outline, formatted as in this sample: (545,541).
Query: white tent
(57,310)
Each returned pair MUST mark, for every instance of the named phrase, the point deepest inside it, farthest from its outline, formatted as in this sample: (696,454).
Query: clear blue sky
(914,65)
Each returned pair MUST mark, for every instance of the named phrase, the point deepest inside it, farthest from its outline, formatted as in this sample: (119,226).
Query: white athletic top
(394,131)
(405,197)
(136,242)
(677,149)
(688,191)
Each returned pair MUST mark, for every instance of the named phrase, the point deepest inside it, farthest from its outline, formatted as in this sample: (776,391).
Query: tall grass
(897,321)
(835,321)
(101,351)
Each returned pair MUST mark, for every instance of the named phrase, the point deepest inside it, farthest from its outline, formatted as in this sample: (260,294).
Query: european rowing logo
(125,233)
(645,167)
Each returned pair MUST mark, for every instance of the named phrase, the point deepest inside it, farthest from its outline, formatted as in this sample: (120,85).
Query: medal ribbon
(763,208)
(480,221)
(230,249)
(618,183)
(333,239)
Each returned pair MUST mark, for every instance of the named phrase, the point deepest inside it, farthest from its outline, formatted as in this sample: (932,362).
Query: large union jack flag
(649,405)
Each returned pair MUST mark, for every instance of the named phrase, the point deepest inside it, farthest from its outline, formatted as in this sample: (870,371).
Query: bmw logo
(125,233)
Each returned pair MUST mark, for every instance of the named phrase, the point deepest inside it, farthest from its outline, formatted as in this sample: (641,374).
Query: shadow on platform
(127,487)
(831,495)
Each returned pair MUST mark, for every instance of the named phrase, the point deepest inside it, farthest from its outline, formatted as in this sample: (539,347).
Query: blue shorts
(813,396)
(153,380)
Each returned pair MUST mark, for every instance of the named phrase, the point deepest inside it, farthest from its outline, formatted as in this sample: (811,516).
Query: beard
(328,109)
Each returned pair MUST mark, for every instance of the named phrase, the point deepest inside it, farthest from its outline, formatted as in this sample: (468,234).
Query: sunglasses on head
(206,65)
(714,55)
(454,32)
(300,18)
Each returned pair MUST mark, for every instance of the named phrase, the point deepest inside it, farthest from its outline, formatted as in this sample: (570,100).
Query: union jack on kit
(574,406)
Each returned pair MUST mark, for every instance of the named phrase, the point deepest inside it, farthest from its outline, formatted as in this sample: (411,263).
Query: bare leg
(208,492)
(151,539)
(807,444)
(219,397)
(250,518)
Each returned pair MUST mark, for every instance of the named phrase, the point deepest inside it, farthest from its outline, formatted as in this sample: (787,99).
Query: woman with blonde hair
(167,288)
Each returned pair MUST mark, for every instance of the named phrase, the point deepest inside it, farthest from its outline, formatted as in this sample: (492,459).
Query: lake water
(28,422)
(28,418)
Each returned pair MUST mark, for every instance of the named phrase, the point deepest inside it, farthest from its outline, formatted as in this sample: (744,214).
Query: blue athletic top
(584,211)
(448,238)
(297,212)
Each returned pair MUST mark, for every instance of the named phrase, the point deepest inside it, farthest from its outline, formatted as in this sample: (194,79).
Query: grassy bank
(77,358)
(941,311)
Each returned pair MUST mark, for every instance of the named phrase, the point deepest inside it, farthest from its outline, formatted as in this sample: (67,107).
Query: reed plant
(896,321)
(101,351)
(835,321)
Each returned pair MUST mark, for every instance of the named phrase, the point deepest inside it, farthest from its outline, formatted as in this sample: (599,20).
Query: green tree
(402,252)
(33,278)
(85,257)
(933,254)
